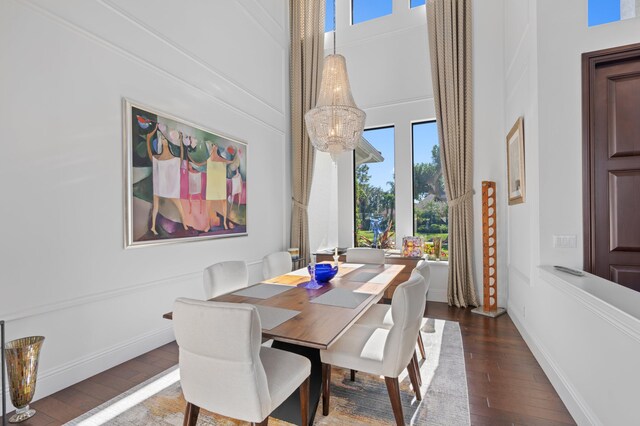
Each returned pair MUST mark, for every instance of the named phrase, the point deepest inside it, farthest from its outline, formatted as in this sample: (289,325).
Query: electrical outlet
(565,241)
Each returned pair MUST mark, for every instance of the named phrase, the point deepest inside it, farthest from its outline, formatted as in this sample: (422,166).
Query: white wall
(66,66)
(568,332)
(390,75)
(488,133)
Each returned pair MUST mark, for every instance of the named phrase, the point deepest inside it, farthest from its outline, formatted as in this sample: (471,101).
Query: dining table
(303,316)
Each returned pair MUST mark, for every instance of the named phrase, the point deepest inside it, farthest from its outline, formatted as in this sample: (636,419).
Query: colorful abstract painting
(183,182)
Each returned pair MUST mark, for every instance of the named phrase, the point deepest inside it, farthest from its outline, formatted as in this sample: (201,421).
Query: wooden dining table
(316,325)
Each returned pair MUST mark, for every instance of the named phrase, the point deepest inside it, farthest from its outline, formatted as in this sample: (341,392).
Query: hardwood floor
(506,384)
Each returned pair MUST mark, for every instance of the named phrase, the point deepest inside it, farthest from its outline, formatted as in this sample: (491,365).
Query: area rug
(159,401)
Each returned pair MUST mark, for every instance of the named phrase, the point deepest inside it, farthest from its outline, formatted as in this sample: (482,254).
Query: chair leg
(421,345)
(265,422)
(353,375)
(191,415)
(417,366)
(304,402)
(394,395)
(413,376)
(326,388)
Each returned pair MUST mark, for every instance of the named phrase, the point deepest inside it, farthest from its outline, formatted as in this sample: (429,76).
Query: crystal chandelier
(335,125)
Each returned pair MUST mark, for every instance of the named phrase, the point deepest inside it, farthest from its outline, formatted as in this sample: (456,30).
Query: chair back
(225,277)
(220,367)
(365,255)
(275,264)
(407,310)
(425,270)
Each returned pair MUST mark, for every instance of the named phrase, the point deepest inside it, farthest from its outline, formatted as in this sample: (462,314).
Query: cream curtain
(307,53)
(450,43)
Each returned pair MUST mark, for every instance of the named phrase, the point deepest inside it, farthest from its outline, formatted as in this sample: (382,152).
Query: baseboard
(579,409)
(70,373)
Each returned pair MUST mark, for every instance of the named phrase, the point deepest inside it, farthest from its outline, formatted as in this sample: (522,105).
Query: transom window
(366,10)
(330,13)
(605,11)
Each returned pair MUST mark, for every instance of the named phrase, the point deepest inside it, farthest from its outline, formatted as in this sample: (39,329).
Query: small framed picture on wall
(515,163)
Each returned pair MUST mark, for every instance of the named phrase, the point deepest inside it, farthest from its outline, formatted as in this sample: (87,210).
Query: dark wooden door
(612,164)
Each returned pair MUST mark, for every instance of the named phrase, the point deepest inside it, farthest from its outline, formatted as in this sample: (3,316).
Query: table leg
(289,411)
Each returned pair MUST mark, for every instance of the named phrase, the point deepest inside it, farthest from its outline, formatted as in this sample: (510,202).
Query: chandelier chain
(335,29)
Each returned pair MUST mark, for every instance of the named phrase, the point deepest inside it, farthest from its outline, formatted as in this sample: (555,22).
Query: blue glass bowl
(325,272)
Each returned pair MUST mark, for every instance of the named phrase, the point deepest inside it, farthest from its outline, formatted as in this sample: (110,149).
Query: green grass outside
(430,237)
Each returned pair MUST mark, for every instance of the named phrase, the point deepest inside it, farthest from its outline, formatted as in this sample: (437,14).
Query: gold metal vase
(22,367)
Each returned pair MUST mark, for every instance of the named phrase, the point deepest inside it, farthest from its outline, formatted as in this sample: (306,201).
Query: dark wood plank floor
(506,384)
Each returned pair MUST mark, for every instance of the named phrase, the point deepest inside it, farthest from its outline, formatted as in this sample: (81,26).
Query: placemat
(342,298)
(362,276)
(262,291)
(271,317)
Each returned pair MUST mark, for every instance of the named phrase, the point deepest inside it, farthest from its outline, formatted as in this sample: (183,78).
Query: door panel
(626,275)
(611,94)
(624,211)
(624,125)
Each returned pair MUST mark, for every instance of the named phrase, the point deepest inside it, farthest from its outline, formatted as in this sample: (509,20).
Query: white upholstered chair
(274,264)
(382,351)
(224,277)
(365,255)
(223,368)
(380,315)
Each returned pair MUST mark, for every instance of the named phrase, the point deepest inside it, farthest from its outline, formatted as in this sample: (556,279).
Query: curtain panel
(449,24)
(306,58)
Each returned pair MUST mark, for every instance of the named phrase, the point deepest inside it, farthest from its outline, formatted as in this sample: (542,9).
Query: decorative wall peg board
(489,252)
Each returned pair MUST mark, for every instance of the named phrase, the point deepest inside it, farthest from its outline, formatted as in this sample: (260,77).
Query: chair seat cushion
(285,373)
(361,348)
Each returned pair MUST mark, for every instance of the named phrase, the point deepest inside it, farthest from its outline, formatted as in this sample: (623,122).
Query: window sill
(438,263)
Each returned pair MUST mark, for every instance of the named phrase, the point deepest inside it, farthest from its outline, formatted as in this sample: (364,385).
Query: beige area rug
(159,400)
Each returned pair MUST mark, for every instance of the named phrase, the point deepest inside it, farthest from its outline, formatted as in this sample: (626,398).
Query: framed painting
(183,182)
(515,163)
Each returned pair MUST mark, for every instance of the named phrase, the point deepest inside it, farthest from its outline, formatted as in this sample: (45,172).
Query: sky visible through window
(382,140)
(600,11)
(425,137)
(603,11)
(328,17)
(364,10)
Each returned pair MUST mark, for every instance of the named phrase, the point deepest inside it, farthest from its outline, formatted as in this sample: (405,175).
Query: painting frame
(516,174)
(130,210)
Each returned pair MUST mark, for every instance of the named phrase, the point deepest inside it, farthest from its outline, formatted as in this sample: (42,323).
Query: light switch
(565,241)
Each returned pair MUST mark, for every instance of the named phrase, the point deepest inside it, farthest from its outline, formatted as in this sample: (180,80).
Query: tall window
(375,189)
(366,10)
(415,3)
(430,208)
